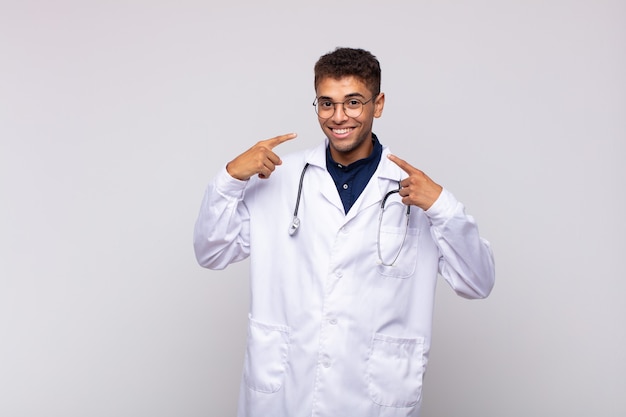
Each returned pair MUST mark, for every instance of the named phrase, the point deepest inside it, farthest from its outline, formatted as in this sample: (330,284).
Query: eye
(353,103)
(325,104)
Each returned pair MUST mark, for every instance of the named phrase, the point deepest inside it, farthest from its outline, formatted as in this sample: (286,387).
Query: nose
(339,115)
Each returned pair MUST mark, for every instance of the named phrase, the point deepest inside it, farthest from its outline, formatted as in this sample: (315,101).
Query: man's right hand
(259,159)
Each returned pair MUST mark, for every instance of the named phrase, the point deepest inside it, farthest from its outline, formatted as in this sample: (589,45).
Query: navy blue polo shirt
(351,180)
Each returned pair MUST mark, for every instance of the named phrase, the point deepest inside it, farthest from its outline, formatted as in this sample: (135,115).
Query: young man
(345,242)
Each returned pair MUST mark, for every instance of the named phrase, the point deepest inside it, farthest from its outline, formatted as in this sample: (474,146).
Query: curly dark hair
(343,62)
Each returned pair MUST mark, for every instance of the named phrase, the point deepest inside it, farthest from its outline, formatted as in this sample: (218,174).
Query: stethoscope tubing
(380,222)
(295,222)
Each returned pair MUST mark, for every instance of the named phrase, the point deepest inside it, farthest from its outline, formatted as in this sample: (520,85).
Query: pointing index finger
(405,166)
(275,141)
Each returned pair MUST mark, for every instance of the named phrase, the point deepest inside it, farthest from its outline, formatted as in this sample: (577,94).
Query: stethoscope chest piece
(293,227)
(295,223)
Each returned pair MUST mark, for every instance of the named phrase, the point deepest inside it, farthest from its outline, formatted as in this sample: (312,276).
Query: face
(350,138)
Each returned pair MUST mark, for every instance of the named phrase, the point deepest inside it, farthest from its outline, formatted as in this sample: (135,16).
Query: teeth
(341,131)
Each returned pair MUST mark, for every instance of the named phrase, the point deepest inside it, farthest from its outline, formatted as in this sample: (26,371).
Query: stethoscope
(295,222)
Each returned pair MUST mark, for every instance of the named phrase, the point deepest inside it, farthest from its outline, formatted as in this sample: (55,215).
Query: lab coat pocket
(266,356)
(395,371)
(397,253)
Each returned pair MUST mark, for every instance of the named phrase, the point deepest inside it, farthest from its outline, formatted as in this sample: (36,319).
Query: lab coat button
(338,274)
(326,363)
(333,321)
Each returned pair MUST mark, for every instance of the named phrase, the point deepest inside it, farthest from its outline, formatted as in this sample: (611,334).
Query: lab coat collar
(385,178)
(316,157)
(386,169)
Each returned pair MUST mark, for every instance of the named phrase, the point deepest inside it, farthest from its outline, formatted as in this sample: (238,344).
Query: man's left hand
(417,189)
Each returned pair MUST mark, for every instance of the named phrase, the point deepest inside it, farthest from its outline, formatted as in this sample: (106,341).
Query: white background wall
(115,114)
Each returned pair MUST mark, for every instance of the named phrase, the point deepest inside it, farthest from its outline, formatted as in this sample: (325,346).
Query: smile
(342,131)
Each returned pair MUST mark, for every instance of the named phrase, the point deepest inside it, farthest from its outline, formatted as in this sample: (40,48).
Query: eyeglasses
(352,107)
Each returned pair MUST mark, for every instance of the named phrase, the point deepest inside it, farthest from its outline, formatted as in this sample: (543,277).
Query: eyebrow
(345,97)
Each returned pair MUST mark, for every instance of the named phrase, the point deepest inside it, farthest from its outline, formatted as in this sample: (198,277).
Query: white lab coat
(332,332)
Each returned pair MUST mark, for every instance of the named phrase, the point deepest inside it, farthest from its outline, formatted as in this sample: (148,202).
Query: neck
(348,157)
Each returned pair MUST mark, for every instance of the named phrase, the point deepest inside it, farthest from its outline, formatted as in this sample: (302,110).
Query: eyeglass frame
(343,105)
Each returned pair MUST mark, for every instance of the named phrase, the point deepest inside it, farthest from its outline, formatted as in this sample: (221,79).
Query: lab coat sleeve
(221,233)
(466,260)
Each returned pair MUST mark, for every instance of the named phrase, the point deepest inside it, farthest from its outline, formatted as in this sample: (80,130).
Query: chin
(343,147)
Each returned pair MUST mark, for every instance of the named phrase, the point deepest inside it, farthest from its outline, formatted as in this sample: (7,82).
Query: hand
(259,159)
(417,189)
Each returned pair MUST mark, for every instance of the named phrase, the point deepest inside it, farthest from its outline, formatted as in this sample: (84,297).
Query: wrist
(233,173)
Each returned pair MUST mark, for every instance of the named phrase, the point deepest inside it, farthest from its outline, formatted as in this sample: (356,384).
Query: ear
(379,103)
